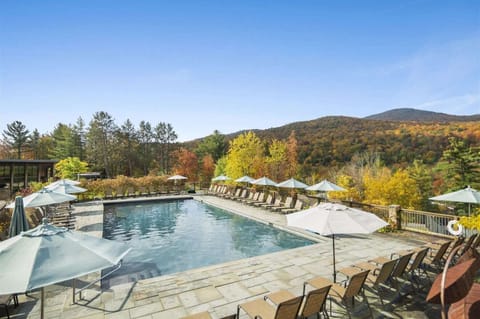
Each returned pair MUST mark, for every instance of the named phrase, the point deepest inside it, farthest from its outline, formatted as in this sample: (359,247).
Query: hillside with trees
(375,160)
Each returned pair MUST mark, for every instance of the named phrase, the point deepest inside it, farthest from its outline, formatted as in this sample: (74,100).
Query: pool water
(172,236)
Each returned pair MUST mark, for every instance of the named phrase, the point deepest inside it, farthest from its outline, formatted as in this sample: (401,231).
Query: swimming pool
(172,236)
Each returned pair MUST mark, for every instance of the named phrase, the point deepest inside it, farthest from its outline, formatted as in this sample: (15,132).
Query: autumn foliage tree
(70,167)
(207,169)
(186,164)
(245,156)
(276,161)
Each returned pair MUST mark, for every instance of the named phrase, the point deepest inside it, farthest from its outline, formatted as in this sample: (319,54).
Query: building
(17,174)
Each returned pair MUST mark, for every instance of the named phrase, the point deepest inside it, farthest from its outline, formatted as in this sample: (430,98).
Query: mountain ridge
(416,115)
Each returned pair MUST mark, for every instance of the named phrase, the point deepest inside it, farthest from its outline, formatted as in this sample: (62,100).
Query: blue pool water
(173,236)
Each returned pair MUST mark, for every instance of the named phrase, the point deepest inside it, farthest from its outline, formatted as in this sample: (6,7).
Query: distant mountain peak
(410,114)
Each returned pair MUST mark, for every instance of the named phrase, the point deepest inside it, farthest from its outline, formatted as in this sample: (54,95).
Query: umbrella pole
(334,270)
(42,303)
(73,288)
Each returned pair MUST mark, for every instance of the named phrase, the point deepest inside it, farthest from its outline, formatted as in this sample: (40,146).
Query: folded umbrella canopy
(47,255)
(467,195)
(19,221)
(331,219)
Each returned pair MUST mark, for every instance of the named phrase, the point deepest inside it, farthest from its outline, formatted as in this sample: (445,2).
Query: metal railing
(425,222)
(379,210)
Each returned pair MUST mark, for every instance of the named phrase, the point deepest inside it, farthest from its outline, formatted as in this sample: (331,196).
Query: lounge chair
(344,294)
(287,204)
(298,206)
(5,301)
(206,315)
(260,308)
(436,256)
(402,262)
(243,195)
(276,203)
(237,194)
(476,242)
(379,274)
(468,243)
(313,302)
(261,199)
(256,195)
(269,201)
(415,268)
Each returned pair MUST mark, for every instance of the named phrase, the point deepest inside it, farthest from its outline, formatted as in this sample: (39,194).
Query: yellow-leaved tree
(70,167)
(374,181)
(401,189)
(245,156)
(352,192)
(277,161)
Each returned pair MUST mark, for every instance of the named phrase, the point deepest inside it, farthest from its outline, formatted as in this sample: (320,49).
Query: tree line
(378,162)
(106,146)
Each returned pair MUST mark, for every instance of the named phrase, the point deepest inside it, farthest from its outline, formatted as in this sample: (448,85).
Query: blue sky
(232,65)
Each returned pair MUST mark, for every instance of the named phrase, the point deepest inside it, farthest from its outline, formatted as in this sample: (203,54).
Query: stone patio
(220,288)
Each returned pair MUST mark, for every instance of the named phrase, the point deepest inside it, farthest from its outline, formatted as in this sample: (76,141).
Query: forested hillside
(332,141)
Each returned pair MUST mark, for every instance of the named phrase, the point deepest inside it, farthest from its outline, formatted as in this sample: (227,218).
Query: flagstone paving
(220,288)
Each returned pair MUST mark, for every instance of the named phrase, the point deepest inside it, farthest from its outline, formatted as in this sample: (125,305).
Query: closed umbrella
(19,221)
(47,255)
(466,195)
(65,188)
(328,219)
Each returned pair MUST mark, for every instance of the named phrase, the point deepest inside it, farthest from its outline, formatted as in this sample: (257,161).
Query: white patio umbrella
(66,181)
(221,178)
(47,255)
(325,186)
(328,219)
(292,183)
(65,188)
(176,177)
(264,181)
(245,179)
(466,195)
(44,197)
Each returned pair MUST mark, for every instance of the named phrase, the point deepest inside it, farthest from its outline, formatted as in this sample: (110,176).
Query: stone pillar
(394,216)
